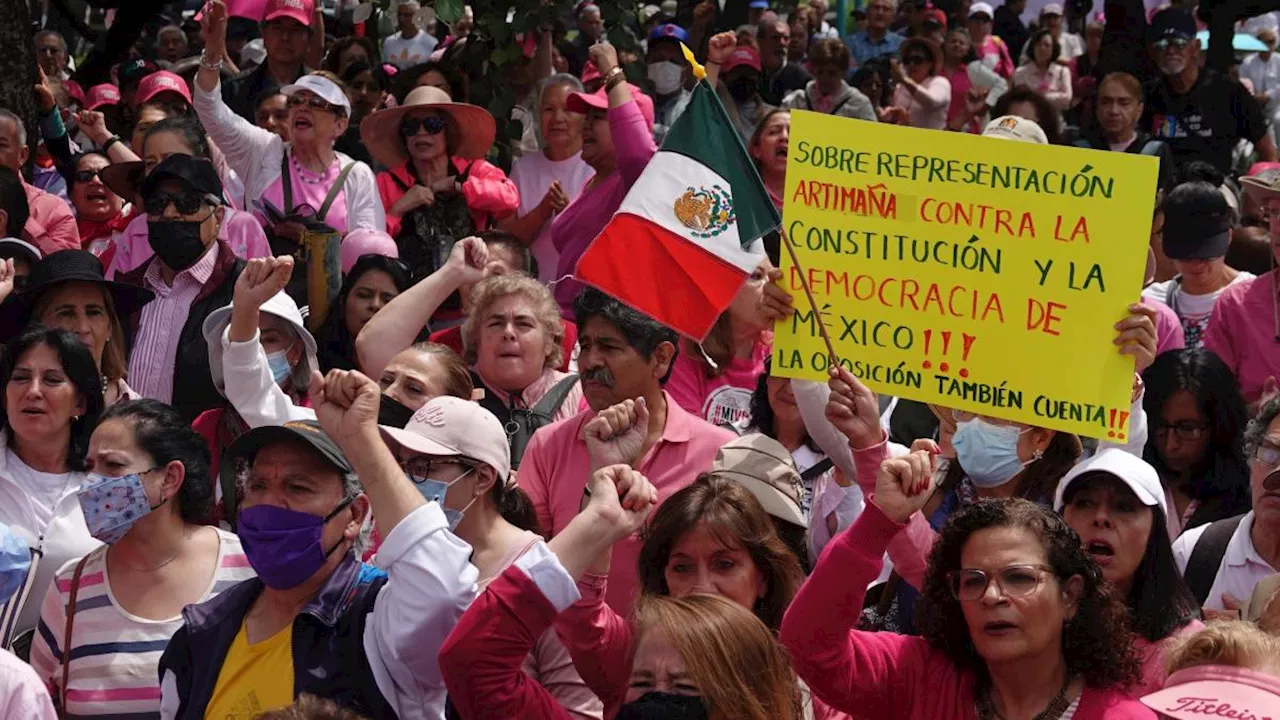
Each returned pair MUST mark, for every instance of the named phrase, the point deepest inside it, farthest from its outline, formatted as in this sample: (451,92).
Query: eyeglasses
(1267,454)
(915,60)
(969,585)
(316,103)
(84,176)
(422,467)
(1184,429)
(1172,43)
(187,203)
(411,125)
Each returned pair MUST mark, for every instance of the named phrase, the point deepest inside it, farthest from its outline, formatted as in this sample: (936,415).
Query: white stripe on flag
(668,177)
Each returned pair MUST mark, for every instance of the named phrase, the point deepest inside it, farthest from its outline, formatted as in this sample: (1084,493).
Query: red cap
(158,82)
(934,14)
(300,10)
(599,100)
(104,94)
(748,56)
(74,91)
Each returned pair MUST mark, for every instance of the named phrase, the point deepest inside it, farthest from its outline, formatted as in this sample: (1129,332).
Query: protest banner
(976,273)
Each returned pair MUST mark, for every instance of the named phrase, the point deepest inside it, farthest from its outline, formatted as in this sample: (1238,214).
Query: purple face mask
(284,546)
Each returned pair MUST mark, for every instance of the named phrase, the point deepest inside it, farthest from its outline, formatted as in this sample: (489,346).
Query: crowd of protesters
(306,415)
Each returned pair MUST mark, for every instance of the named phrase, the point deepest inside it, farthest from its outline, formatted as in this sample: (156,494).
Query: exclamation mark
(968,345)
(946,346)
(928,337)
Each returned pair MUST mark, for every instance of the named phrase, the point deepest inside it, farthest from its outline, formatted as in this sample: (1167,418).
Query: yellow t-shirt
(254,678)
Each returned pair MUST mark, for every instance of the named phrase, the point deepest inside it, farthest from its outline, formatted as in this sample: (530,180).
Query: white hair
(410,3)
(19,128)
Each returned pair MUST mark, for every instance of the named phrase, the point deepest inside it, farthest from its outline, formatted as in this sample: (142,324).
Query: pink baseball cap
(1217,691)
(452,427)
(162,81)
(590,72)
(599,100)
(365,241)
(74,91)
(104,94)
(300,10)
(748,56)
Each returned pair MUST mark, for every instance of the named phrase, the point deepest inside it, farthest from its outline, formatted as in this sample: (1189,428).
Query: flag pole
(817,314)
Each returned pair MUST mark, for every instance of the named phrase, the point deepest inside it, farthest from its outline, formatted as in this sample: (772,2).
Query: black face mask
(663,706)
(176,242)
(393,414)
(743,90)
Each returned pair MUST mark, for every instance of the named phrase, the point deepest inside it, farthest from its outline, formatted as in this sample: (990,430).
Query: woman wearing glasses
(438,188)
(923,94)
(1015,618)
(99,211)
(304,178)
(1198,418)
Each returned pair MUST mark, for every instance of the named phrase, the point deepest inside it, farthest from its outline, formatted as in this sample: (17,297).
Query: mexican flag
(687,235)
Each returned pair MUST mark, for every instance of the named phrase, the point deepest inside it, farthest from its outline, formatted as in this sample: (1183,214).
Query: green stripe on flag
(704,133)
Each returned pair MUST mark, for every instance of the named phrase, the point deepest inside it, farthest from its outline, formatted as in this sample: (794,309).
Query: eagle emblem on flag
(706,212)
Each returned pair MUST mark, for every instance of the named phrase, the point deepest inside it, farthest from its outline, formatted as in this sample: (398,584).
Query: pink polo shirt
(50,224)
(239,230)
(556,466)
(1242,331)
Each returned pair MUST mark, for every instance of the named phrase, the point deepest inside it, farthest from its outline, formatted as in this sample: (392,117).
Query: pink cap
(590,72)
(162,81)
(599,100)
(104,94)
(300,10)
(365,241)
(1217,691)
(748,56)
(1260,167)
(452,427)
(74,90)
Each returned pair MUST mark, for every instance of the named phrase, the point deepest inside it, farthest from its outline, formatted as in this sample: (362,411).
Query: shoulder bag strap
(286,184)
(551,402)
(1206,556)
(820,467)
(66,634)
(333,191)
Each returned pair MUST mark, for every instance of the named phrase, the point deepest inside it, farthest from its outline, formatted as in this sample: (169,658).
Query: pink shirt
(960,84)
(722,400)
(155,350)
(1152,654)
(995,54)
(310,189)
(1169,332)
(556,466)
(22,695)
(50,224)
(928,107)
(239,230)
(1242,331)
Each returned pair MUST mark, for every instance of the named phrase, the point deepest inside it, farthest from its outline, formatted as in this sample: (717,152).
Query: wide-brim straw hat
(381,130)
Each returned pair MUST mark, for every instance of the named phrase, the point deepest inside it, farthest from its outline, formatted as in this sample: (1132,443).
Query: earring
(75,418)
(1037,455)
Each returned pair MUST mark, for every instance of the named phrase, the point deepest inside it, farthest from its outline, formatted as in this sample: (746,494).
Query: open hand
(213,29)
(615,436)
(556,198)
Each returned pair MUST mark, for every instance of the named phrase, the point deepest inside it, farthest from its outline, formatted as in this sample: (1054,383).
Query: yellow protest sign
(977,273)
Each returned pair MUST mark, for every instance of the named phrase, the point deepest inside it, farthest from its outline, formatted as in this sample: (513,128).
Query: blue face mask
(988,453)
(112,506)
(435,490)
(15,562)
(279,364)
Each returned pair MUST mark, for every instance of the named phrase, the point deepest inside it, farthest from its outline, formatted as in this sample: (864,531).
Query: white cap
(1051,9)
(1129,469)
(452,427)
(280,305)
(322,87)
(979,8)
(1012,127)
(254,52)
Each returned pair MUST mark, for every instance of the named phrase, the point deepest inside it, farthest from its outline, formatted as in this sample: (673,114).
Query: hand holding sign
(1136,336)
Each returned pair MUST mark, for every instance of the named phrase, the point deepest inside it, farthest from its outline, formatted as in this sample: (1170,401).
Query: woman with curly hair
(1016,620)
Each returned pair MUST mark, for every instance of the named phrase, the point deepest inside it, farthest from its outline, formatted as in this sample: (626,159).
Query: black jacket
(241,92)
(193,389)
(1143,144)
(1009,27)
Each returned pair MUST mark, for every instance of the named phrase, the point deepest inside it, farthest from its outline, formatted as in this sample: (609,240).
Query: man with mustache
(1201,113)
(1223,561)
(625,358)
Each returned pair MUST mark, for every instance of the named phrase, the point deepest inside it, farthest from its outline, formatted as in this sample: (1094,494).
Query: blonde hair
(545,310)
(737,663)
(1226,642)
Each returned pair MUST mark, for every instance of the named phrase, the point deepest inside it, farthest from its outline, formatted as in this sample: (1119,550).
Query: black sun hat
(67,266)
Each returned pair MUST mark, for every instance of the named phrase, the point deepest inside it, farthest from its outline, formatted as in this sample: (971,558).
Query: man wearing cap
(192,274)
(316,620)
(50,225)
(412,45)
(1201,113)
(625,360)
(286,34)
(740,78)
(1008,26)
(875,39)
(1222,561)
(669,72)
(166,88)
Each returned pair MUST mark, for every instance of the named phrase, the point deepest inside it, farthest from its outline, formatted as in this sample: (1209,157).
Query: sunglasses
(1174,43)
(433,125)
(915,60)
(84,176)
(316,103)
(187,203)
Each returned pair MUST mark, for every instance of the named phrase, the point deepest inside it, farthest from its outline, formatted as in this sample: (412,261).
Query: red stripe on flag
(676,282)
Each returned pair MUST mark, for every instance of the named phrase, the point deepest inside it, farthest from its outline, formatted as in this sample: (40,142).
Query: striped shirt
(155,351)
(115,656)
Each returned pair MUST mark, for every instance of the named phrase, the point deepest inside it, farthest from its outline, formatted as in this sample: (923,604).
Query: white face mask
(666,76)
